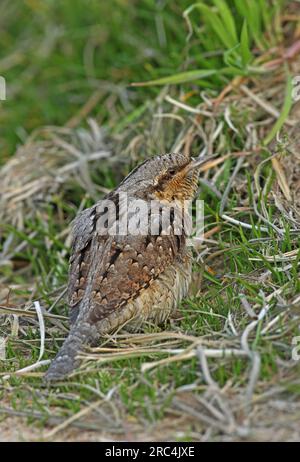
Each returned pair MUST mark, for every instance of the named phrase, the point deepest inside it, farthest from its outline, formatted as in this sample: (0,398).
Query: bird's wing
(128,267)
(80,260)
(111,270)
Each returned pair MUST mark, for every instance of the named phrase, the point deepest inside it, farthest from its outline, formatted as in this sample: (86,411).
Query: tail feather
(66,359)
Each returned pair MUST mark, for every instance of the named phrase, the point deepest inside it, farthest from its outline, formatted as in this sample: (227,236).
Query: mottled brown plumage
(128,279)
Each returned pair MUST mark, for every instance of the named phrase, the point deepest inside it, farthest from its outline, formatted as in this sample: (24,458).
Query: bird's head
(169,177)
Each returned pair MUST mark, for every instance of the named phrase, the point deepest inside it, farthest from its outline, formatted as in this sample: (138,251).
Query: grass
(56,56)
(221,368)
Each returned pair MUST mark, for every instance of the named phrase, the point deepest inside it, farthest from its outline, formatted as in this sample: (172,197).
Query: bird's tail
(66,359)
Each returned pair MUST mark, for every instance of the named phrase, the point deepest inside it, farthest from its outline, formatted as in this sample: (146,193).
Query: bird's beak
(200,162)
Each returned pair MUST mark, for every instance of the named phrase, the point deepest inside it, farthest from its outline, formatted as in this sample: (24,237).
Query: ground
(226,366)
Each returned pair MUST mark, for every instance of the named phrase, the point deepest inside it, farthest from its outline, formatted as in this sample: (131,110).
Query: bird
(128,278)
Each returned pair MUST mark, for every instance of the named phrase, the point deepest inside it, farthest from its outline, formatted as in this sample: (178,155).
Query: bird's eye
(172,172)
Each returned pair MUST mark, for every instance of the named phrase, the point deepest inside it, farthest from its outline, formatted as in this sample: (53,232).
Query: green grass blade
(227,18)
(182,77)
(251,12)
(131,117)
(288,102)
(241,8)
(266,12)
(211,18)
(245,45)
